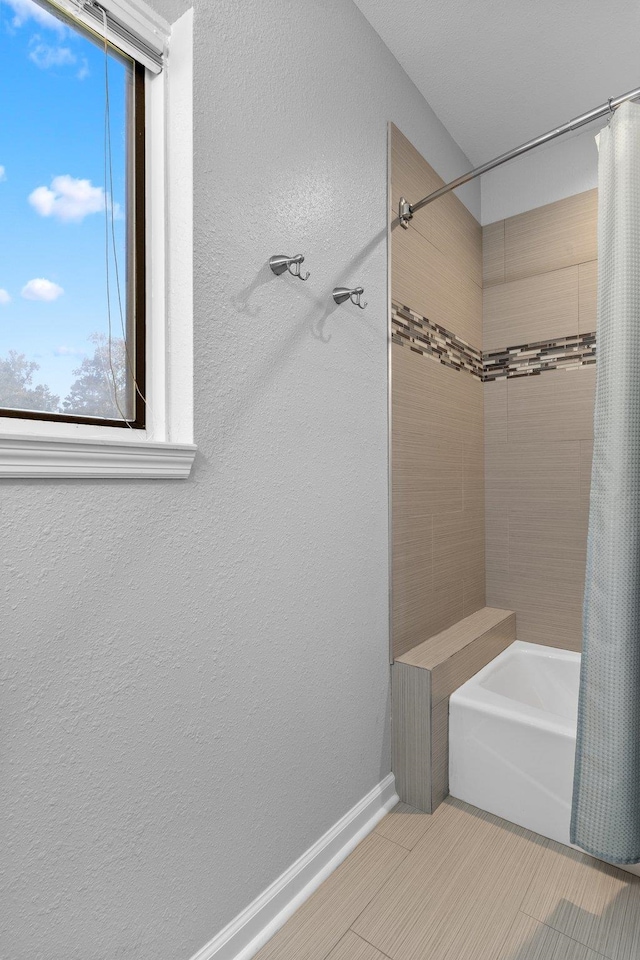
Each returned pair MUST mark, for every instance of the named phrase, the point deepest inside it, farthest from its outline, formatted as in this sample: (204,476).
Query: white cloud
(83,72)
(45,56)
(64,351)
(3,173)
(70,199)
(41,289)
(4,296)
(24,10)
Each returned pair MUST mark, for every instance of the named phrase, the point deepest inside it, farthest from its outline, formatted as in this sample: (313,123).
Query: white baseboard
(250,930)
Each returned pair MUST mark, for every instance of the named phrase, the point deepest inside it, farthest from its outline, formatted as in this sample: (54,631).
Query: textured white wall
(195,677)
(561,169)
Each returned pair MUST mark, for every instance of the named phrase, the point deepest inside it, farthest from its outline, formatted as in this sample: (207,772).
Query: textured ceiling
(499,73)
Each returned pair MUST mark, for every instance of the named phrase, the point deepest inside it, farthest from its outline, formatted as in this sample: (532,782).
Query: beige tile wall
(540,281)
(437,419)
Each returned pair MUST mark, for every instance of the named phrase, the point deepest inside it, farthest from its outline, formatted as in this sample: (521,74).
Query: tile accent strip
(531,359)
(523,360)
(430,339)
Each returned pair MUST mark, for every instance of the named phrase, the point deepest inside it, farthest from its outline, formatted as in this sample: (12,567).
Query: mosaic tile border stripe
(531,359)
(430,339)
(523,360)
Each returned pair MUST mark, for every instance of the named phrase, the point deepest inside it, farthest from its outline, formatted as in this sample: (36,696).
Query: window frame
(164,448)
(135,292)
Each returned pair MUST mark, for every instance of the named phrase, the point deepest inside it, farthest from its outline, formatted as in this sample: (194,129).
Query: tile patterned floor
(464,885)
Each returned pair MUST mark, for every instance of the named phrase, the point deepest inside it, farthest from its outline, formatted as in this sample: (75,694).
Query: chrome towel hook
(340,294)
(280,263)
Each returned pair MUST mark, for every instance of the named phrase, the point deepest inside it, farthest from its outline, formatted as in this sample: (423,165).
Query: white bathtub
(512,738)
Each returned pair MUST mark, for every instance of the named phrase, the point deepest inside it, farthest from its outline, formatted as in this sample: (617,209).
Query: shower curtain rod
(406,210)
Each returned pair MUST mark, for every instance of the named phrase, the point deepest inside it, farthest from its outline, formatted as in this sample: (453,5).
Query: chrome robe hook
(280,263)
(340,294)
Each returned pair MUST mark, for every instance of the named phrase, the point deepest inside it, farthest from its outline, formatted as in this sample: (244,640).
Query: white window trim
(39,448)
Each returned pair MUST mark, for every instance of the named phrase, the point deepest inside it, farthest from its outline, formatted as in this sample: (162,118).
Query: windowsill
(24,456)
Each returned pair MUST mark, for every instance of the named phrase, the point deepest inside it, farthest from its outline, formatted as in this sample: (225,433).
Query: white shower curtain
(605,818)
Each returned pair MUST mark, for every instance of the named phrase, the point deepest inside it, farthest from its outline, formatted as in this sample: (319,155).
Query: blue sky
(52,221)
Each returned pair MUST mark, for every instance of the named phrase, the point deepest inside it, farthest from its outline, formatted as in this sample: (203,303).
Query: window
(95,296)
(72,242)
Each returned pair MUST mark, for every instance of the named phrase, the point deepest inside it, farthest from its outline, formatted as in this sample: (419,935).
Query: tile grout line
(396,842)
(508,931)
(373,944)
(431,241)
(546,845)
(527,276)
(506,410)
(380,889)
(433,558)
(355,919)
(578,302)
(561,933)
(624,919)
